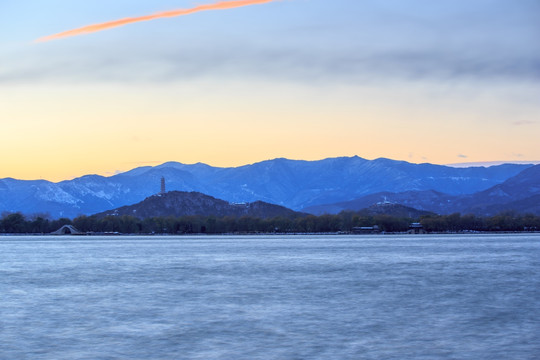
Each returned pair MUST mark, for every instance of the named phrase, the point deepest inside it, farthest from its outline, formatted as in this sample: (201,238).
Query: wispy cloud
(492,163)
(524,122)
(221,5)
(156,63)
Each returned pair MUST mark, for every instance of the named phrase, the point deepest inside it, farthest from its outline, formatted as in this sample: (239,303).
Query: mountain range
(520,193)
(296,184)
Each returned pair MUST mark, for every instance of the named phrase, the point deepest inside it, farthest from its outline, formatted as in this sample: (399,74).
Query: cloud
(166,63)
(144,163)
(329,45)
(524,122)
(462,156)
(492,163)
(221,5)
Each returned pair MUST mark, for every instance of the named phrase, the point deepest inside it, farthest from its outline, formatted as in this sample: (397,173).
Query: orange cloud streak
(221,5)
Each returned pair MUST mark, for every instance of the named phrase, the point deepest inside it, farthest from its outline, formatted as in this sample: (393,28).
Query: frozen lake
(270,297)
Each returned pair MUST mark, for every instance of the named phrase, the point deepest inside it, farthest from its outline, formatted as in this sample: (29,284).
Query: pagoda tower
(162,186)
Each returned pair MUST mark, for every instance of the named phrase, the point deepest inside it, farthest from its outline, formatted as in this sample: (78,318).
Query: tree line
(346,221)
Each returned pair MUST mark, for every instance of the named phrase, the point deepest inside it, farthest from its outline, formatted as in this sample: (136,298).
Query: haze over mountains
(295,184)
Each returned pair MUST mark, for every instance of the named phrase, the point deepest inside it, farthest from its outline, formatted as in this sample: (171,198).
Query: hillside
(519,193)
(429,201)
(179,203)
(395,210)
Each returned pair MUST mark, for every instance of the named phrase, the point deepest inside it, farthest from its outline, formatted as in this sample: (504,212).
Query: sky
(447,81)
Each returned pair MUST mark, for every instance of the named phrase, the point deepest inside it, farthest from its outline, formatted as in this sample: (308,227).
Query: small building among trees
(366,229)
(416,228)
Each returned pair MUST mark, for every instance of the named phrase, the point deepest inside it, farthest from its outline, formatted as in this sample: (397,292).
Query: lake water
(270,297)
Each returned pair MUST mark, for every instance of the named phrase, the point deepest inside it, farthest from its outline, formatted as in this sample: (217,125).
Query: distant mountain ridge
(519,193)
(295,184)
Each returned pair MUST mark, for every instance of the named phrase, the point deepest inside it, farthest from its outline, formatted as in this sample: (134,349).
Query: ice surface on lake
(270,297)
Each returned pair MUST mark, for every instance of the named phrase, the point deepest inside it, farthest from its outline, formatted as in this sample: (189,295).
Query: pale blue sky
(339,39)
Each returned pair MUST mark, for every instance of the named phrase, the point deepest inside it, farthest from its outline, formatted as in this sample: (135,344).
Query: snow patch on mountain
(54,194)
(100,190)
